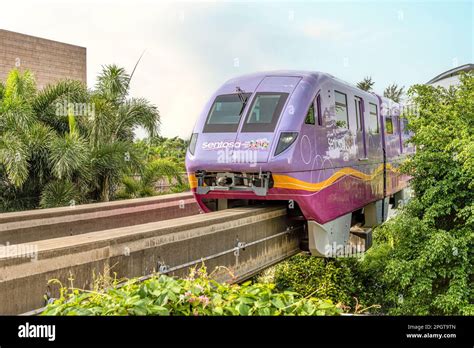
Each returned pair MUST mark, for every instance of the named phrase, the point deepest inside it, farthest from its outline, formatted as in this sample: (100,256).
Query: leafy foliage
(59,193)
(200,295)
(323,278)
(366,84)
(173,149)
(394,92)
(48,147)
(423,259)
(415,269)
(143,186)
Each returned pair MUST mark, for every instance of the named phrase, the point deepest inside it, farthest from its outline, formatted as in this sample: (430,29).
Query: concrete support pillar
(373,212)
(327,238)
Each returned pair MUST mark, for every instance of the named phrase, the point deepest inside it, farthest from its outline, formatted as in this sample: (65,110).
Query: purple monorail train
(303,137)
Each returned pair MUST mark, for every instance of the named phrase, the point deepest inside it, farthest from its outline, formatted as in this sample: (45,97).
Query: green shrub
(422,262)
(332,279)
(416,269)
(165,295)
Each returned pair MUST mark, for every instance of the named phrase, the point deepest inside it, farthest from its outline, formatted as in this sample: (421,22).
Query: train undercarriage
(346,235)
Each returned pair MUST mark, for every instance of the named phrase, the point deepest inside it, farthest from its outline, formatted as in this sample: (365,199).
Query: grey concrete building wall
(48,60)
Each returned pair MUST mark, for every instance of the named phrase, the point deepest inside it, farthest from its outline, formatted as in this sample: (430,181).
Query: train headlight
(192,143)
(286,139)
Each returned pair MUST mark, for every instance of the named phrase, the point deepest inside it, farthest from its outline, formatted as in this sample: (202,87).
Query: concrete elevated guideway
(245,240)
(40,224)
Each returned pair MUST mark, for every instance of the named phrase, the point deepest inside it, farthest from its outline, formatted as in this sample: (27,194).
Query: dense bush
(416,269)
(423,259)
(165,295)
(323,278)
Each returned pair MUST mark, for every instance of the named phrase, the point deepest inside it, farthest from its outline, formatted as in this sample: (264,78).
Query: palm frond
(394,92)
(60,193)
(366,84)
(70,90)
(69,154)
(130,188)
(138,112)
(20,85)
(161,168)
(112,83)
(38,139)
(16,115)
(51,104)
(14,157)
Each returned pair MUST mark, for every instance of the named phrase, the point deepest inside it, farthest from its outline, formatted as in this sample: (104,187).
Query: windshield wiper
(243,98)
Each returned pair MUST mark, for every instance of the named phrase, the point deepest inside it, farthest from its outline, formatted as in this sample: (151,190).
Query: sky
(191,48)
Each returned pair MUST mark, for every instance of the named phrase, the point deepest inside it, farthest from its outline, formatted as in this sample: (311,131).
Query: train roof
(292,73)
(284,73)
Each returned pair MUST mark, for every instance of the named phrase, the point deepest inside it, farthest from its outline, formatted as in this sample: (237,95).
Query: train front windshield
(264,112)
(225,113)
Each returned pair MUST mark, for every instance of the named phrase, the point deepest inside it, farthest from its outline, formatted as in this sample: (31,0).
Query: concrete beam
(34,225)
(265,235)
(90,208)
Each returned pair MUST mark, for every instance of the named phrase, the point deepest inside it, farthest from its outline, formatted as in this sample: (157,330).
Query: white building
(450,77)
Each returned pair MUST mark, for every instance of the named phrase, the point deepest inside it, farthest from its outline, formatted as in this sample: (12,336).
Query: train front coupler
(258,183)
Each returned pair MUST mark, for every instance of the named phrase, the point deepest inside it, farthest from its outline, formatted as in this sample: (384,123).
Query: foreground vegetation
(197,295)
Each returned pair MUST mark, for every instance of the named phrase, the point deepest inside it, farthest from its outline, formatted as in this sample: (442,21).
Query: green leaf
(243,309)
(278,303)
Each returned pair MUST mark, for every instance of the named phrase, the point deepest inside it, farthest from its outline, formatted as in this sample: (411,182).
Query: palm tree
(366,84)
(49,158)
(30,132)
(111,128)
(394,92)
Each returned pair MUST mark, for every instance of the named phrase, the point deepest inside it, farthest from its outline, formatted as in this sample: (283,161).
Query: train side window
(342,116)
(318,110)
(358,108)
(310,115)
(373,125)
(405,126)
(389,124)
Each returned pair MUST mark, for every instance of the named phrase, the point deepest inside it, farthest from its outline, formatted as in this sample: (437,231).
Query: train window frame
(359,113)
(343,105)
(308,119)
(376,114)
(264,127)
(224,127)
(387,118)
(404,123)
(318,110)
